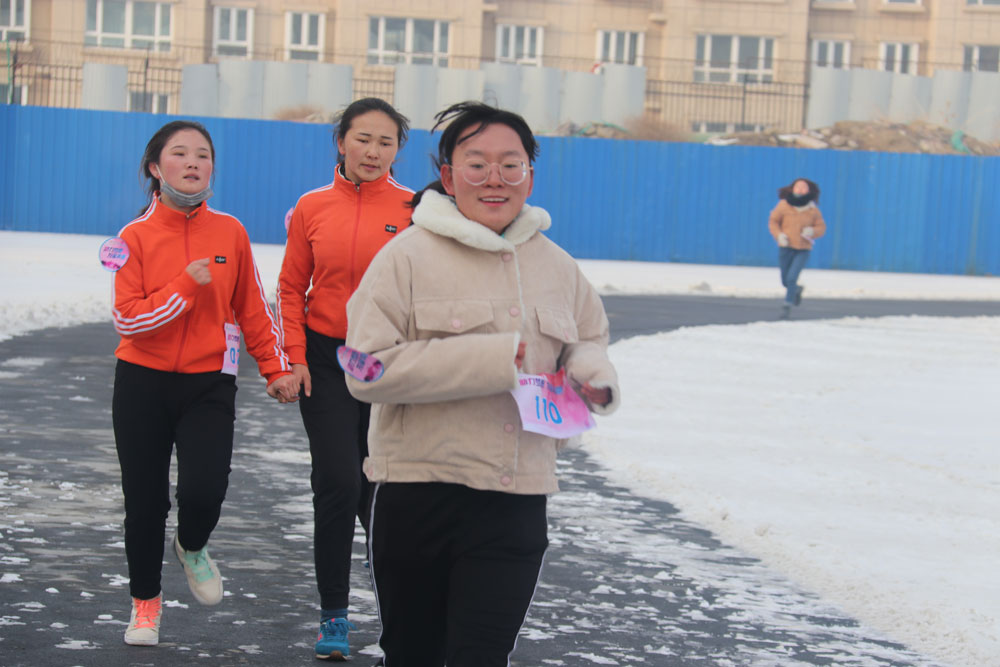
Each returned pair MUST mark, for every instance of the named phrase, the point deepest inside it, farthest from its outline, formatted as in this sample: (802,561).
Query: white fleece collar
(437,213)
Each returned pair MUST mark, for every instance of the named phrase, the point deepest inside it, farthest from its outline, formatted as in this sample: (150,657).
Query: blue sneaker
(331,643)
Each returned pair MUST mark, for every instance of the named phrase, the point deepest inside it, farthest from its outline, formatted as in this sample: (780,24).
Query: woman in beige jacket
(795,224)
(454,308)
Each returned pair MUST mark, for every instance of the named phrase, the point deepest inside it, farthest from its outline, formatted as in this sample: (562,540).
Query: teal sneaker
(331,643)
(202,574)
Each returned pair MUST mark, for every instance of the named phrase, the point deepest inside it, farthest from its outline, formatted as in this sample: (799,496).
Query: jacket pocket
(558,324)
(452,316)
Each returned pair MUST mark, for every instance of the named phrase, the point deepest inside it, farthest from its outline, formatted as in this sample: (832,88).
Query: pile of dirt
(303,114)
(644,128)
(882,136)
(915,137)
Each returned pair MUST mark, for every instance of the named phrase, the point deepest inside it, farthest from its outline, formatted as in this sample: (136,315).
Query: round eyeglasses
(477,172)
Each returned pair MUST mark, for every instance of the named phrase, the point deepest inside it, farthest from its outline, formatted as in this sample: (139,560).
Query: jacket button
(456,324)
(507,256)
(505,480)
(509,428)
(514,311)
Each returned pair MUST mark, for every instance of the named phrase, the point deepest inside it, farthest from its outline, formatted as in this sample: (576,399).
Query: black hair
(786,191)
(343,120)
(459,118)
(155,146)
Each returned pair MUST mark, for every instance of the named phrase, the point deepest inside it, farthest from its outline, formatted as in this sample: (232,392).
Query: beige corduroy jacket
(443,306)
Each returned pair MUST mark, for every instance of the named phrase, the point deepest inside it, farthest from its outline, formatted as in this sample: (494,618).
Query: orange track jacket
(334,233)
(169,322)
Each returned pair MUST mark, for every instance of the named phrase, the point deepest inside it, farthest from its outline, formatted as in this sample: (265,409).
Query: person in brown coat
(795,223)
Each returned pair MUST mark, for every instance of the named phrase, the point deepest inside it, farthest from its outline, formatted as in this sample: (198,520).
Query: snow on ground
(857,456)
(50,280)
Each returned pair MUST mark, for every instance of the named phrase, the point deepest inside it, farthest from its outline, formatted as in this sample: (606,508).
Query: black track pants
(454,571)
(337,426)
(151,411)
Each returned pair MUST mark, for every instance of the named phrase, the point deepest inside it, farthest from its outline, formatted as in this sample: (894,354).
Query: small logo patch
(219,259)
(391,229)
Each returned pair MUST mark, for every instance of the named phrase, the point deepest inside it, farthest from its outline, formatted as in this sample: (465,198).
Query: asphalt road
(626,581)
(640,315)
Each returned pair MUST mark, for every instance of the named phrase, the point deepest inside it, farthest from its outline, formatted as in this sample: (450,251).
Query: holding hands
(285,389)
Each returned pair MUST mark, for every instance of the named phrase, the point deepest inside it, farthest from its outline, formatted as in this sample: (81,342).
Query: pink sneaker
(144,626)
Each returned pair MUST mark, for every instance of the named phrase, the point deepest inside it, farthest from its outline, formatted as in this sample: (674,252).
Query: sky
(856,457)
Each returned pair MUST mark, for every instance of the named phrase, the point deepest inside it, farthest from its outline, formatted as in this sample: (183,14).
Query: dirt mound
(915,137)
(303,114)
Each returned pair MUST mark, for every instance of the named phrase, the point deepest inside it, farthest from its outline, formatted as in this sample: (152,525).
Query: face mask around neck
(799,200)
(181,198)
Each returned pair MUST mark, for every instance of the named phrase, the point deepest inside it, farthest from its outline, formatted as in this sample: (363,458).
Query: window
(14,21)
(620,46)
(520,44)
(147,102)
(233,31)
(898,57)
(128,25)
(984,3)
(411,41)
(981,59)
(734,59)
(831,53)
(304,36)
(17,95)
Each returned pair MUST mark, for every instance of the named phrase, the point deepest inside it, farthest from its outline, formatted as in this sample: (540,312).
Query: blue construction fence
(71,170)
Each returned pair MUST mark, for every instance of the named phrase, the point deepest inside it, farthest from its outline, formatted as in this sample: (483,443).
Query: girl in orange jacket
(333,234)
(185,289)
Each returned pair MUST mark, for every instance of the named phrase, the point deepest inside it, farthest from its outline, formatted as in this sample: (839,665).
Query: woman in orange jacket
(333,234)
(184,277)
(795,223)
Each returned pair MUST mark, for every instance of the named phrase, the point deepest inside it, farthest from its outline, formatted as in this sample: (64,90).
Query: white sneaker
(144,626)
(203,576)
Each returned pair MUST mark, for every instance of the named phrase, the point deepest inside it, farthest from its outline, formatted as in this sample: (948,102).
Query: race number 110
(547,411)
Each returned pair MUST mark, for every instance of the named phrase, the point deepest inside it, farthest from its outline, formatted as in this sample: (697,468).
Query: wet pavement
(626,580)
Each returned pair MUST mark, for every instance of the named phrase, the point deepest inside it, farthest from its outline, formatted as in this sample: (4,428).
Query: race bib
(549,405)
(359,365)
(231,362)
(114,253)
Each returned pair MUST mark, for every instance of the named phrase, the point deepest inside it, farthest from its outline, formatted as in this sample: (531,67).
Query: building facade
(711,65)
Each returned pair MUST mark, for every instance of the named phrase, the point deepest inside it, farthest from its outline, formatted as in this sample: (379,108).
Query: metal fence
(381,85)
(51,74)
(728,107)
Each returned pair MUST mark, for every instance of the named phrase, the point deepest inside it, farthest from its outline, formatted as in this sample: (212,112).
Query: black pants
(337,426)
(454,571)
(151,411)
